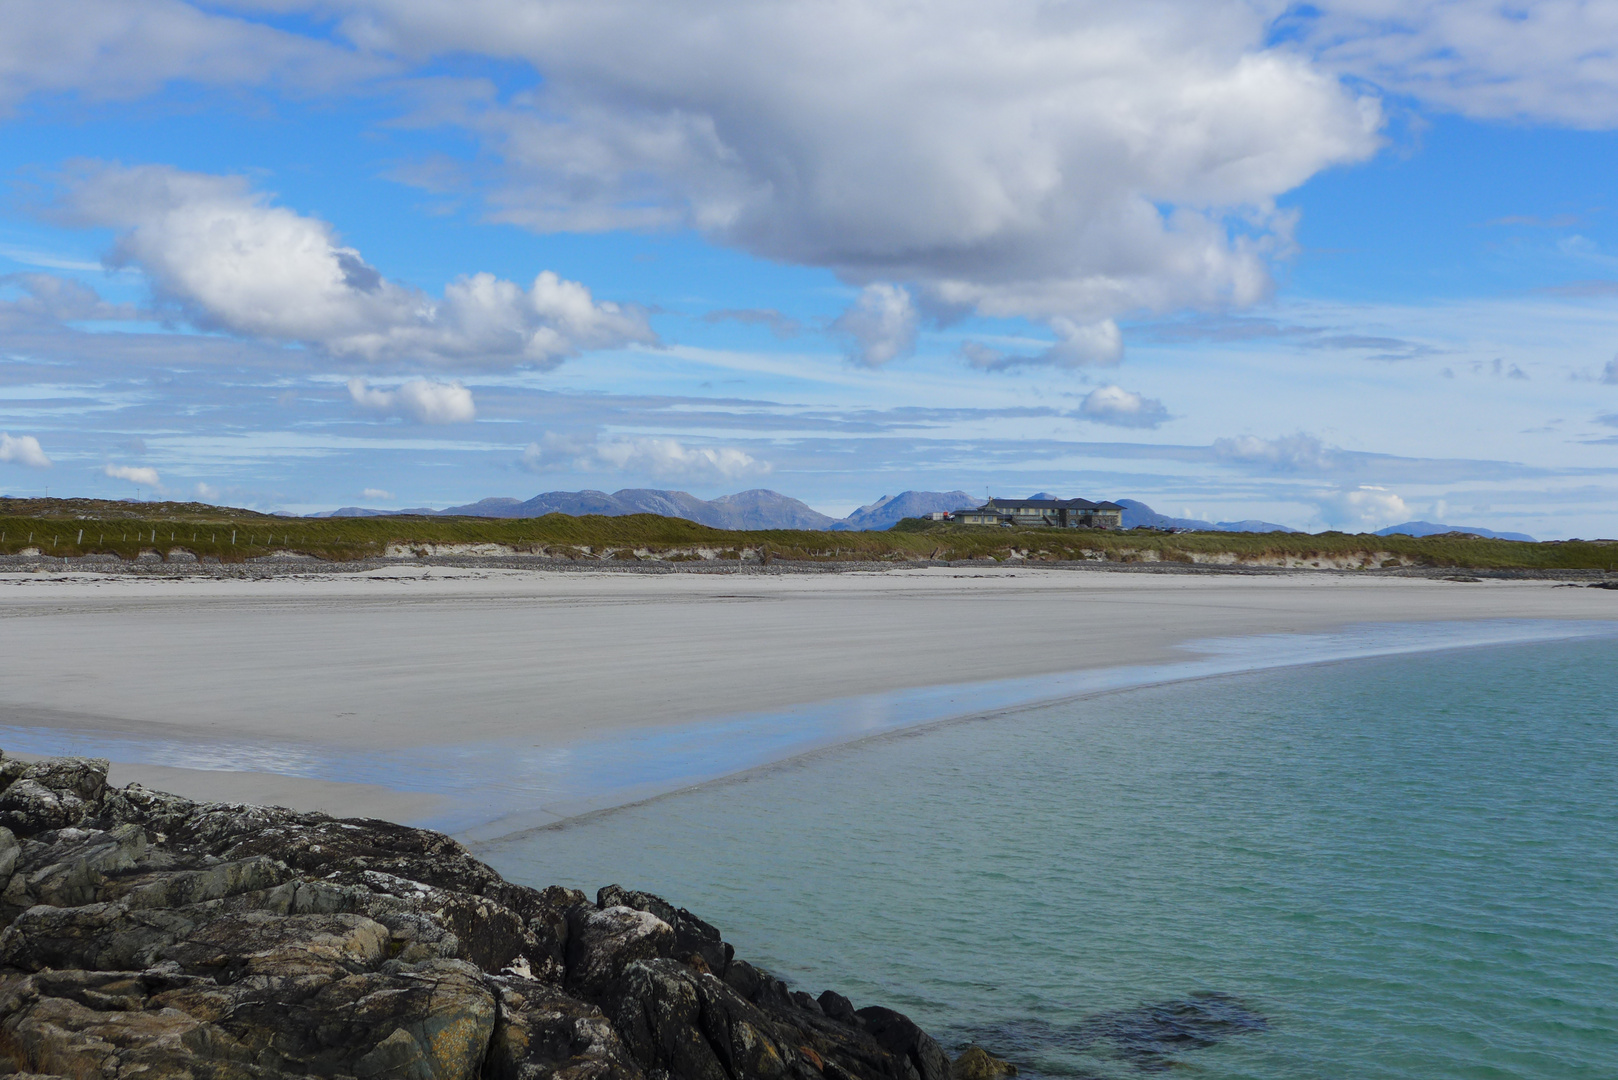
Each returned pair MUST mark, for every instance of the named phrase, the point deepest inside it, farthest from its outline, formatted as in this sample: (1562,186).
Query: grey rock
(693,937)
(10,849)
(976,1063)
(659,1013)
(77,868)
(29,807)
(52,794)
(145,935)
(602,944)
(543,1033)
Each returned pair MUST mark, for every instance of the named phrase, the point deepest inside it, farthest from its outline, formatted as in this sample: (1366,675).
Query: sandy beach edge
(667,695)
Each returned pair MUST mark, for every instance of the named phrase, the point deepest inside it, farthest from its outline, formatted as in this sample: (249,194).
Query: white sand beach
(434,657)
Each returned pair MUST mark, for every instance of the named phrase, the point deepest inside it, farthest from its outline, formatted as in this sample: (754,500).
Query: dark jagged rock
(898,1035)
(148,936)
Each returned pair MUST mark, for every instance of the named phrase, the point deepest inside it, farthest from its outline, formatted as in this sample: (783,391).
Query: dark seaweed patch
(1150,1033)
(1147,1036)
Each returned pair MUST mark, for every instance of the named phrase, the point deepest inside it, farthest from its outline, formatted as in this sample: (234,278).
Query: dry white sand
(412,658)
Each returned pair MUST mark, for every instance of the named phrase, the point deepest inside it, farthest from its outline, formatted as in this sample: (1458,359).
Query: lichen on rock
(148,936)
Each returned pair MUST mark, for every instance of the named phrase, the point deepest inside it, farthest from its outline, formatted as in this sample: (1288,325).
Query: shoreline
(588,779)
(294,565)
(499,701)
(1108,681)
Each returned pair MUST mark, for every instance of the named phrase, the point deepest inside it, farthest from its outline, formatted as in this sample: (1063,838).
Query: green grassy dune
(78,527)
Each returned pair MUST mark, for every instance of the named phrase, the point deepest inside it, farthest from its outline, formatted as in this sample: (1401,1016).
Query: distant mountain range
(1427,528)
(1138,515)
(892,509)
(756,509)
(764,509)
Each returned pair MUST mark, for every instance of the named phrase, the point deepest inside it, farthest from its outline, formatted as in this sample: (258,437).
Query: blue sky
(1340,265)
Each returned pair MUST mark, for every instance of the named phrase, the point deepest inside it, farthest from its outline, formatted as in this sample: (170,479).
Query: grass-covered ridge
(79,527)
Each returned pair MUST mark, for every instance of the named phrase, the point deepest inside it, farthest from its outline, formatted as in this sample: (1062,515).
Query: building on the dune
(1055,513)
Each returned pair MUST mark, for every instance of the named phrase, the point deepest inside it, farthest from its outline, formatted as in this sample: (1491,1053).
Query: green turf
(75,527)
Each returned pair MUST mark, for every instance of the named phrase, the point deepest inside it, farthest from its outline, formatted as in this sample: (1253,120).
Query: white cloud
(1074,161)
(1122,408)
(54,298)
(1551,60)
(111,49)
(207,492)
(223,257)
(1289,453)
(1609,374)
(1076,345)
(1081,344)
(1554,61)
(377,493)
(1363,508)
(144,475)
(880,325)
(23,450)
(1079,160)
(419,400)
(660,458)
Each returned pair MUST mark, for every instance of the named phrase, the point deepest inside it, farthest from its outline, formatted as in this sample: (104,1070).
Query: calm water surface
(1395,868)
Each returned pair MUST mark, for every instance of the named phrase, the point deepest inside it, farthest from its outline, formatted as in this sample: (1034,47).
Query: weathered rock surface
(149,936)
(976,1063)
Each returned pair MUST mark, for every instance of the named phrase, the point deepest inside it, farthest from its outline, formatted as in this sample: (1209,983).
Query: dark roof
(1048,504)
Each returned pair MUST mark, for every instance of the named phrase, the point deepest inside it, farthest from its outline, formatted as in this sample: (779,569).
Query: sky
(1335,265)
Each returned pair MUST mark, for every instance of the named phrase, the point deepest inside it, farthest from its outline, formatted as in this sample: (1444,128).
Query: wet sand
(422,658)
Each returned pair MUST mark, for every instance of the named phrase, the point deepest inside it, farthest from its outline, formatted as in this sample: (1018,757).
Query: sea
(1391,867)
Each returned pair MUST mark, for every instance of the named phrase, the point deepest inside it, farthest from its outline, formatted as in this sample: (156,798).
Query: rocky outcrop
(149,936)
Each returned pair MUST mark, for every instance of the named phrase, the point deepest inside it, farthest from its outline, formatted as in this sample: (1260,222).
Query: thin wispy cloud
(655,458)
(1535,221)
(782,326)
(1288,453)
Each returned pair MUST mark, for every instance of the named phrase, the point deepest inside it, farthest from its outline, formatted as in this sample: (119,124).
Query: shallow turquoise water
(1404,867)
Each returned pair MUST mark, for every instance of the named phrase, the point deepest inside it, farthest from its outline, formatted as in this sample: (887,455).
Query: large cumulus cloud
(223,257)
(1072,161)
(1068,161)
